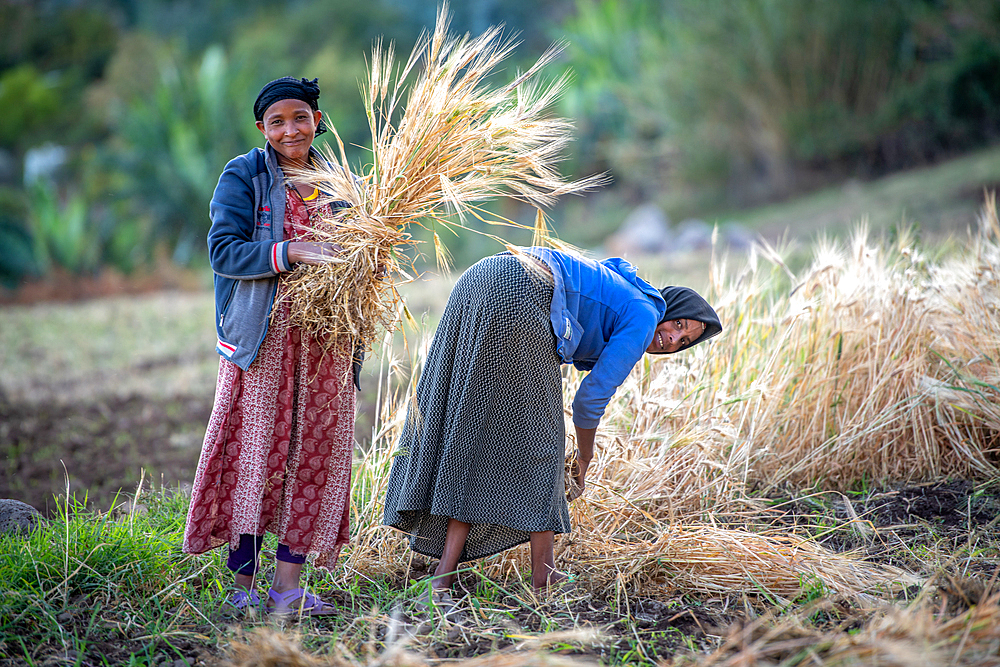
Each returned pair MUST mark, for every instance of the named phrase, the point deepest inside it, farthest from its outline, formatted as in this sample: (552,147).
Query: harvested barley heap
(480,463)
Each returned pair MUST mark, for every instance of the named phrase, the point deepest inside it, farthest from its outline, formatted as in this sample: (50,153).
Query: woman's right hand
(578,478)
(307,252)
(584,455)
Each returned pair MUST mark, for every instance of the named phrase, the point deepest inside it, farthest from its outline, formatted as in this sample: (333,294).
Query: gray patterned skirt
(485,444)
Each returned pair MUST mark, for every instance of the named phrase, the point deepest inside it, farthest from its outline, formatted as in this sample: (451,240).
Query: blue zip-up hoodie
(603,316)
(247,252)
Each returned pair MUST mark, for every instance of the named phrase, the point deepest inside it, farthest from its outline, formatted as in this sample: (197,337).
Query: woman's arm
(633,329)
(233,251)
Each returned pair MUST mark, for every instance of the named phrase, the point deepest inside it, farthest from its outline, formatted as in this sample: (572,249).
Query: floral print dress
(279,445)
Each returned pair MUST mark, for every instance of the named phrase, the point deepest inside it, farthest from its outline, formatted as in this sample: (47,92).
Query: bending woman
(278,449)
(480,466)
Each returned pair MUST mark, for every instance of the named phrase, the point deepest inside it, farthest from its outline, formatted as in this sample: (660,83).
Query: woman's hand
(584,454)
(578,479)
(307,252)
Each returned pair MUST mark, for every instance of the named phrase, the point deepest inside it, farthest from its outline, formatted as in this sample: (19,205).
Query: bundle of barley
(457,144)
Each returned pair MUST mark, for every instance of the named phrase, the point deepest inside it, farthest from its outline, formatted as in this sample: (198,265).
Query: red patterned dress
(278,449)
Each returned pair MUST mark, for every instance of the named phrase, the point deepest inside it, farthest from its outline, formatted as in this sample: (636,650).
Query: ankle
(282,587)
(553,577)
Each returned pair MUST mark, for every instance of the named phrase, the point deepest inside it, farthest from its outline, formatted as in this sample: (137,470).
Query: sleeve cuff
(279,257)
(587,423)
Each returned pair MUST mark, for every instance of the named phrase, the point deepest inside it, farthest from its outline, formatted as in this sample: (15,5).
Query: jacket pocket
(572,331)
(569,336)
(224,309)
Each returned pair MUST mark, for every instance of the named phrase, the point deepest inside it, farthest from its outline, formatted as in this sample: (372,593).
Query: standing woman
(481,457)
(278,449)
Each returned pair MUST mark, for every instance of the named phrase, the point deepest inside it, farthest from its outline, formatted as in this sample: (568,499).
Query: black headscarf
(683,303)
(289,88)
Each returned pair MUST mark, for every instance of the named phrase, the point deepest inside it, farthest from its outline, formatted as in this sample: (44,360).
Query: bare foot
(555,579)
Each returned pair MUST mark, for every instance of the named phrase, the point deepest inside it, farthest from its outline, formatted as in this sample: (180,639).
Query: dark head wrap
(683,303)
(289,88)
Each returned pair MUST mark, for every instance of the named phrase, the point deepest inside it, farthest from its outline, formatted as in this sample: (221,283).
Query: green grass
(110,588)
(85,581)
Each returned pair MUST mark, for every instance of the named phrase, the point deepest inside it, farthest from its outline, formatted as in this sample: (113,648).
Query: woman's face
(290,127)
(674,335)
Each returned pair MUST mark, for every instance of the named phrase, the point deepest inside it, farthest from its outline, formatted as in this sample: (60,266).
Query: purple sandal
(298,602)
(240,599)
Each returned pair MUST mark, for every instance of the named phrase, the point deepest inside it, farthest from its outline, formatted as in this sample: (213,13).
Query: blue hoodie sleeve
(633,331)
(233,252)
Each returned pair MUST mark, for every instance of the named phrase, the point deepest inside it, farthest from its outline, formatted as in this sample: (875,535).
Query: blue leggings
(243,560)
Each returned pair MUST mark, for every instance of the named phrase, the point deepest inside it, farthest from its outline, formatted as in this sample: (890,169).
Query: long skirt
(278,450)
(485,441)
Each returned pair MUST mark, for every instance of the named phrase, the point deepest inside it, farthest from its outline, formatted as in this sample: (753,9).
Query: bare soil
(102,448)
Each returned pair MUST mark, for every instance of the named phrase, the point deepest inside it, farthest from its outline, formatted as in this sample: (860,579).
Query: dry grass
(880,365)
(923,634)
(457,143)
(264,647)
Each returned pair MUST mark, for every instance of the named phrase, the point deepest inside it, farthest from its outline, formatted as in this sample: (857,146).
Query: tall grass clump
(880,364)
(457,143)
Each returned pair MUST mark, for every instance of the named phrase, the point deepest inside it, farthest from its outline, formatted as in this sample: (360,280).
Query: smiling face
(673,335)
(290,127)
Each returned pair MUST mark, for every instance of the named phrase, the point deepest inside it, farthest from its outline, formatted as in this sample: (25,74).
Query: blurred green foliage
(754,100)
(17,258)
(697,105)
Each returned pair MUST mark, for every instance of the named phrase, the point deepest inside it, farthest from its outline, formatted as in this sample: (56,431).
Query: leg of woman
(285,595)
(244,581)
(243,561)
(286,576)
(543,565)
(454,543)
